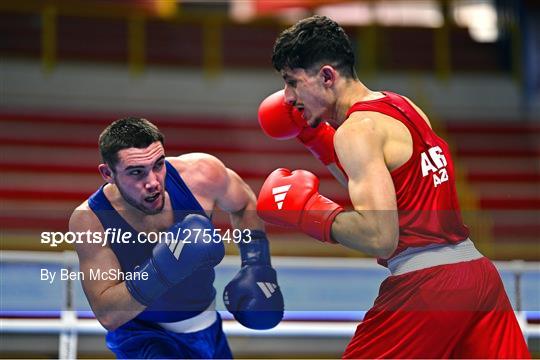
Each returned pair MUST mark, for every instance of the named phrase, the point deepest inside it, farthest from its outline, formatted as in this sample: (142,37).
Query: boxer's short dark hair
(125,133)
(314,41)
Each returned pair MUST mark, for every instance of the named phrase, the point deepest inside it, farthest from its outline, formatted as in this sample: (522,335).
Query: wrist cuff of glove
(318,216)
(146,289)
(320,142)
(254,248)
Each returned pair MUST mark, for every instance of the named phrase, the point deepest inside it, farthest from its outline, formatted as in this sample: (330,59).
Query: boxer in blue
(163,304)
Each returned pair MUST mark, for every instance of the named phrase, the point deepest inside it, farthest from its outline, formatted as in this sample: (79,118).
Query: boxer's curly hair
(314,41)
(127,133)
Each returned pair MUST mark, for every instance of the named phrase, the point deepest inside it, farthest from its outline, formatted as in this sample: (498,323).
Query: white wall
(110,88)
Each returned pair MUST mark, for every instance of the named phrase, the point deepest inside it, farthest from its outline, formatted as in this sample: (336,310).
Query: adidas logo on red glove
(296,196)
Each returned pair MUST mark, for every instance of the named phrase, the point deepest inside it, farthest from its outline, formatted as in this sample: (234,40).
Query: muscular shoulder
(83,219)
(376,134)
(360,143)
(362,124)
(203,173)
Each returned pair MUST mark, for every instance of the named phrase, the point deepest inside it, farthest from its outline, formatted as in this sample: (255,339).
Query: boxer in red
(443,299)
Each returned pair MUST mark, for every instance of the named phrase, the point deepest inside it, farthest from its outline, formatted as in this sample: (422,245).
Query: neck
(351,92)
(120,204)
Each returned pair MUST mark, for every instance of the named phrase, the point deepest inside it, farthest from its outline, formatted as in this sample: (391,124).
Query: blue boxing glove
(190,245)
(253,296)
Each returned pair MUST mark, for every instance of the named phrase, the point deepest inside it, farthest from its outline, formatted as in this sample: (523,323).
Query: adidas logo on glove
(267,288)
(279,193)
(226,298)
(174,245)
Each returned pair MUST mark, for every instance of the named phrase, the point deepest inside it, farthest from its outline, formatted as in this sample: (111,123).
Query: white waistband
(197,323)
(414,259)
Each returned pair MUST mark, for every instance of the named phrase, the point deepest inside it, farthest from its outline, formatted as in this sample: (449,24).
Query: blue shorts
(145,340)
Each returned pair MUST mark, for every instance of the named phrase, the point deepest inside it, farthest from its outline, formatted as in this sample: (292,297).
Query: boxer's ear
(328,75)
(106,173)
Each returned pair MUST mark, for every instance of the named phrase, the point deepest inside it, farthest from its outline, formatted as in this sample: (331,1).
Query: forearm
(372,232)
(115,306)
(254,246)
(246,218)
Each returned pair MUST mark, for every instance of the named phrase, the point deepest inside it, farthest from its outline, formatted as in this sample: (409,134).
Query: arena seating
(501,164)
(49,167)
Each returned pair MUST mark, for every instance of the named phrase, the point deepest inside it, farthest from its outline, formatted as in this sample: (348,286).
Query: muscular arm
(372,227)
(338,174)
(242,296)
(241,203)
(213,184)
(110,300)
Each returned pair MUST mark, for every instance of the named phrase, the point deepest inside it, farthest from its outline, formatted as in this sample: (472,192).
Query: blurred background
(198,70)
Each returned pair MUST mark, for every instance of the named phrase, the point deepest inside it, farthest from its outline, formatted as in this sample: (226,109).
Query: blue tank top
(192,295)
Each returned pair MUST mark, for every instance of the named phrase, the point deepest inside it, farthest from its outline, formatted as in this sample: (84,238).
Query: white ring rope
(69,326)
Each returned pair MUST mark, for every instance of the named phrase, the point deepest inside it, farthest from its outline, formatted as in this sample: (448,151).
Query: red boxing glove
(282,121)
(278,119)
(292,199)
(320,141)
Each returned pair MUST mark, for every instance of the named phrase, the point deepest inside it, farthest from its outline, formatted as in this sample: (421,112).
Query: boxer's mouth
(152,198)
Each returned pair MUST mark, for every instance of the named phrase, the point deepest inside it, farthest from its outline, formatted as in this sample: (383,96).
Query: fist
(186,249)
(283,121)
(175,259)
(284,196)
(254,298)
(278,119)
(292,199)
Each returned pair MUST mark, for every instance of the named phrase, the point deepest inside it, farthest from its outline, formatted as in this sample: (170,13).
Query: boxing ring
(325,298)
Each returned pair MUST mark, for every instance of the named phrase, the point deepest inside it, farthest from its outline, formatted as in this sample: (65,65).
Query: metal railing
(69,326)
